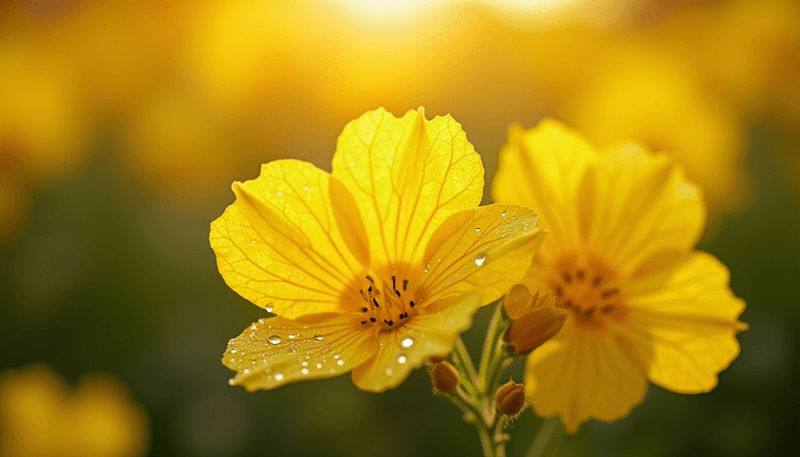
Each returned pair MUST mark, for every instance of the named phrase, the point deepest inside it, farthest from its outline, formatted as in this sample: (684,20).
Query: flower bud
(445,376)
(510,398)
(534,328)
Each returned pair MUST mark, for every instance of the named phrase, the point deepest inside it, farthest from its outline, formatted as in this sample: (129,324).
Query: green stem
(463,363)
(548,439)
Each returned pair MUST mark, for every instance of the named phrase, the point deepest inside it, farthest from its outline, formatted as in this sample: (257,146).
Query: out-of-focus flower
(536,319)
(176,142)
(752,54)
(642,95)
(41,416)
(373,268)
(643,304)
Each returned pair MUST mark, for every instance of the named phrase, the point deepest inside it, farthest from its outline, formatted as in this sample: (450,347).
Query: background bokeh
(123,124)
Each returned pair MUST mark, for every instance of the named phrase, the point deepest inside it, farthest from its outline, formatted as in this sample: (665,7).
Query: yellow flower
(374,267)
(645,96)
(40,416)
(643,304)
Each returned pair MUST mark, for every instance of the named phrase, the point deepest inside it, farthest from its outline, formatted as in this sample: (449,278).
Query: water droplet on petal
(279,376)
(340,362)
(389,372)
(350,164)
(480,258)
(253,241)
(231,382)
(274,339)
(304,371)
(233,351)
(279,194)
(291,336)
(407,342)
(304,363)
(246,371)
(401,359)
(503,213)
(269,308)
(319,364)
(318,337)
(305,187)
(336,356)
(477,229)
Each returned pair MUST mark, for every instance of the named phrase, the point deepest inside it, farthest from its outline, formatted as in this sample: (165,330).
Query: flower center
(388,304)
(589,289)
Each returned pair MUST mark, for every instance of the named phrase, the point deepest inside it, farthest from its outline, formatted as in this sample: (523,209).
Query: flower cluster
(377,267)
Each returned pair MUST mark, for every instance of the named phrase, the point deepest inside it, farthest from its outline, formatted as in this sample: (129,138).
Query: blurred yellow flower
(643,304)
(41,416)
(373,268)
(642,95)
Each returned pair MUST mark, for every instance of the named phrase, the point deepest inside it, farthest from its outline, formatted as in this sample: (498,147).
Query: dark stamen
(580,275)
(589,312)
(567,277)
(397,292)
(405,284)
(411,303)
(375,302)
(372,319)
(394,282)
(363,322)
(388,322)
(364,310)
(369,278)
(610,292)
(597,280)
(607,309)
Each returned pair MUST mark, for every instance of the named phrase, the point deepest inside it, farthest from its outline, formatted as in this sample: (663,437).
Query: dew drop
(477,229)
(231,382)
(304,363)
(407,342)
(389,372)
(279,376)
(274,339)
(350,164)
(318,337)
(503,213)
(305,187)
(480,258)
(253,241)
(401,359)
(304,371)
(246,371)
(340,362)
(269,307)
(233,351)
(279,194)
(291,336)
(319,365)
(336,356)
(439,259)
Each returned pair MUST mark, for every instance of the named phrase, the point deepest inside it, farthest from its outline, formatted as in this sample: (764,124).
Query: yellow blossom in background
(41,416)
(374,267)
(645,96)
(643,304)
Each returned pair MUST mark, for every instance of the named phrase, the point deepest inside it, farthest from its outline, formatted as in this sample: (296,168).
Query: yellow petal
(281,246)
(433,332)
(644,210)
(276,351)
(487,248)
(581,375)
(541,168)
(407,176)
(684,321)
